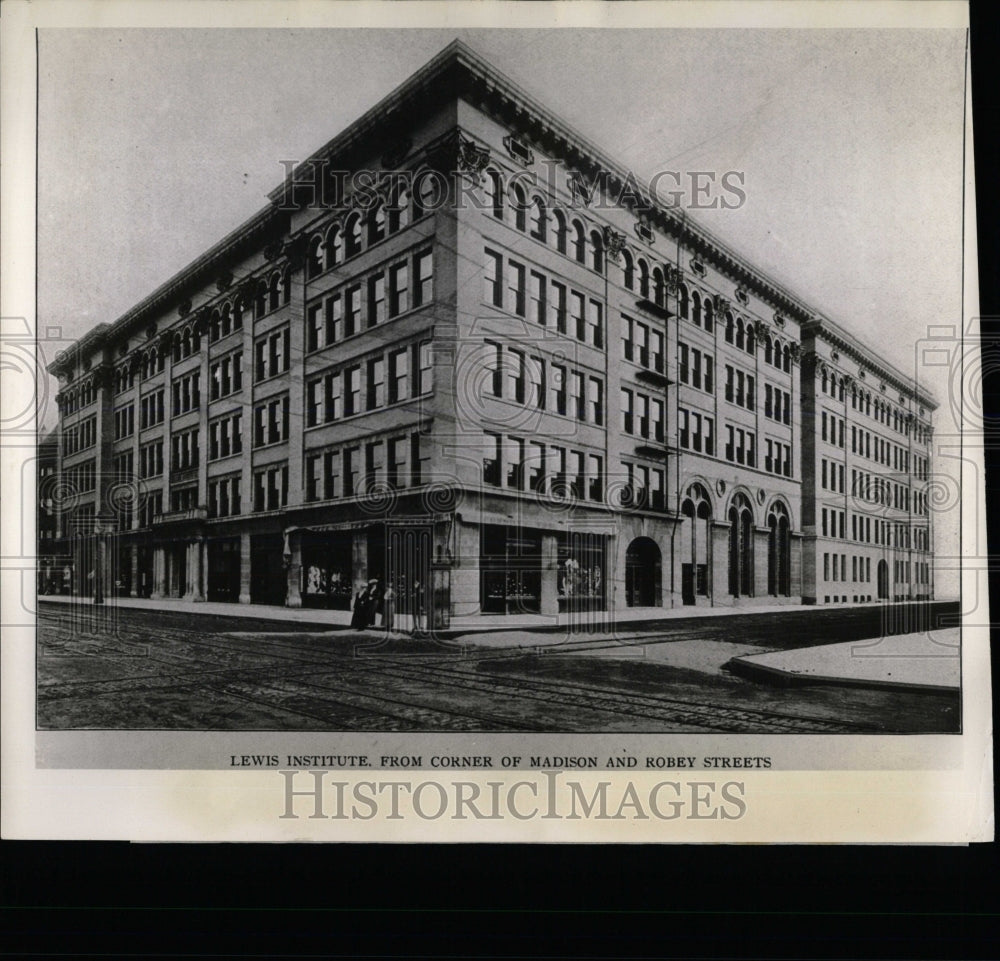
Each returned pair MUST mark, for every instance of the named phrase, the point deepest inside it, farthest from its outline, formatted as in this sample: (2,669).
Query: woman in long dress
(359,620)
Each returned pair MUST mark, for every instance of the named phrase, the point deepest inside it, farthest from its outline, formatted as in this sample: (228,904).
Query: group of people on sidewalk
(373,600)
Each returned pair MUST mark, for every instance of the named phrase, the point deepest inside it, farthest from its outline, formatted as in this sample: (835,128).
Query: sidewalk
(529,624)
(921,662)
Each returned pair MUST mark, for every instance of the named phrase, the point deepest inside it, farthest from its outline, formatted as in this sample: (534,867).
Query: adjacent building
(463,352)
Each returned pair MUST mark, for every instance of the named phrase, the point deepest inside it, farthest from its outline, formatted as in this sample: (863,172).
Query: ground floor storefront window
(224,569)
(582,571)
(511,570)
(327,570)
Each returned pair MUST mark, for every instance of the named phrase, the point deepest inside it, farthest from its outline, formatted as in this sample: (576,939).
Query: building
(463,352)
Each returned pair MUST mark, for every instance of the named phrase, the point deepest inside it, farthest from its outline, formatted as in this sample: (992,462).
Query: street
(177,671)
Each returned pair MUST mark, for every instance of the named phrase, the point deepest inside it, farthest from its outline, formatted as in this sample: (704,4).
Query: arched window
(260,300)
(659,288)
(643,279)
(537,226)
(175,351)
(596,251)
(399,210)
(730,328)
(778,551)
(227,319)
(186,343)
(787,355)
(579,243)
(353,232)
(740,547)
(696,308)
(739,333)
(494,193)
(559,230)
(314,258)
(768,356)
(695,543)
(628,270)
(215,326)
(709,313)
(751,338)
(286,286)
(520,204)
(333,246)
(376,223)
(682,293)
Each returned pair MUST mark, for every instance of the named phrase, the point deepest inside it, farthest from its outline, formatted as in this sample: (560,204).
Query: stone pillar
(720,564)
(196,590)
(550,574)
(245,568)
(293,594)
(159,572)
(761,542)
(795,566)
(465,571)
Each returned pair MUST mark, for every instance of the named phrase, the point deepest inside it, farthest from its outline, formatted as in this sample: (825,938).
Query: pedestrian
(374,601)
(359,620)
(388,608)
(417,607)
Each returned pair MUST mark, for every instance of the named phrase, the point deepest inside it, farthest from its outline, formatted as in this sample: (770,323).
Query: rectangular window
(398,450)
(376,384)
(557,306)
(656,346)
(376,300)
(493,289)
(425,367)
(334,319)
(595,473)
(578,310)
(557,389)
(628,345)
(595,401)
(423,291)
(595,320)
(491,459)
(399,369)
(515,283)
(352,310)
(352,391)
(538,284)
(684,364)
(515,463)
(515,375)
(399,289)
(685,439)
(536,383)
(627,410)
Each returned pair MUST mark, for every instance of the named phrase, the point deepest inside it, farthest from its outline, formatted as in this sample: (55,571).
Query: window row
(270,421)
(546,302)
(519,464)
(152,506)
(184,498)
(395,462)
(833,429)
(151,459)
(82,478)
(184,450)
(270,488)
(543,384)
(777,404)
(696,368)
(272,354)
(78,397)
(80,436)
(185,393)
(741,446)
(777,457)
(643,345)
(642,416)
(224,496)
(644,488)
(832,476)
(151,409)
(834,521)
(226,376)
(835,568)
(382,296)
(401,374)
(363,229)
(124,421)
(696,432)
(740,388)
(740,333)
(225,436)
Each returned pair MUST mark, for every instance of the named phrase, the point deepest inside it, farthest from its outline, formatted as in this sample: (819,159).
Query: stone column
(293,594)
(550,574)
(245,568)
(196,591)
(761,543)
(465,570)
(159,572)
(719,569)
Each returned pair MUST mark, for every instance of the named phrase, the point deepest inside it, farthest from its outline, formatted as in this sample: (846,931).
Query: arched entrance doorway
(643,572)
(778,551)
(883,580)
(741,547)
(697,513)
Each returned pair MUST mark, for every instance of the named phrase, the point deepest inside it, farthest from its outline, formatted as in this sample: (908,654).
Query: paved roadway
(162,670)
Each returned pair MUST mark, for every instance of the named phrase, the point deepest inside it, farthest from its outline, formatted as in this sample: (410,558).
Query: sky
(153,144)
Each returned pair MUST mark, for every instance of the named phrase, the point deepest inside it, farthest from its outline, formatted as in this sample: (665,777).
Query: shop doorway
(268,579)
(224,569)
(643,573)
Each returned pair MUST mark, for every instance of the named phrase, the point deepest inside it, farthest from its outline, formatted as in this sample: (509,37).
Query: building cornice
(833,334)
